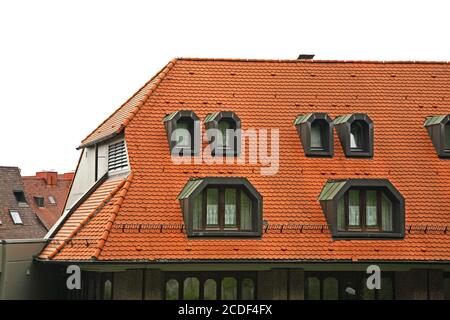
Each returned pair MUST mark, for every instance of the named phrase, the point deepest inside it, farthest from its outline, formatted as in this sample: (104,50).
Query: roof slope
(90,223)
(115,123)
(10,181)
(271,94)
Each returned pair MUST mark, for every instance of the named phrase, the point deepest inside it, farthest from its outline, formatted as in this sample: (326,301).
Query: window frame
(14,218)
(187,206)
(363,227)
(304,124)
(21,198)
(343,125)
(212,122)
(170,124)
(37,201)
(330,206)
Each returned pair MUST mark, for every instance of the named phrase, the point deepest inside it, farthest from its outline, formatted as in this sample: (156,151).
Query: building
(29,206)
(47,192)
(356,174)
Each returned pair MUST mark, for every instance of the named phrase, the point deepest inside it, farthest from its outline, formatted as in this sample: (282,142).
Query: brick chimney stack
(50,177)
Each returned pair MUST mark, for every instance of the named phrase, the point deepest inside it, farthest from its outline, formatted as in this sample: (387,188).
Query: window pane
(230,207)
(15,216)
(212,207)
(172,290)
(447,136)
(229,288)
(197,212)
(341,214)
(246,212)
(191,289)
(371,208)
(386,213)
(313,288)
(330,289)
(182,134)
(387,288)
(210,289)
(353,210)
(223,127)
(356,136)
(107,290)
(248,289)
(316,135)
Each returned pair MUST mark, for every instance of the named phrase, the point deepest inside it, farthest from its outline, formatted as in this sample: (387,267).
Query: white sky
(66,65)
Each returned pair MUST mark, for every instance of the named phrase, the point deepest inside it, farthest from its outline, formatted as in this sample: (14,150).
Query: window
(223,130)
(363,208)
(39,201)
(355,132)
(207,285)
(183,132)
(221,206)
(438,128)
(107,290)
(15,216)
(368,209)
(346,286)
(20,198)
(117,156)
(316,134)
(52,200)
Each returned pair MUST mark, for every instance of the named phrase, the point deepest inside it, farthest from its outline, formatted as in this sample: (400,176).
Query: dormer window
(117,157)
(438,128)
(20,198)
(316,134)
(223,130)
(363,208)
(183,132)
(218,206)
(355,132)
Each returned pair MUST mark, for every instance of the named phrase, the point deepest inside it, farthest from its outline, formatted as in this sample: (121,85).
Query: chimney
(305,56)
(50,177)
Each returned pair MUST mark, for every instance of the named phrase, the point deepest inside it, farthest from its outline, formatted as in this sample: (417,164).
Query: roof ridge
(117,205)
(155,77)
(87,218)
(315,61)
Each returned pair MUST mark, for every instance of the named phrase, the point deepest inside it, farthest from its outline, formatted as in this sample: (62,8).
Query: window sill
(369,235)
(224,233)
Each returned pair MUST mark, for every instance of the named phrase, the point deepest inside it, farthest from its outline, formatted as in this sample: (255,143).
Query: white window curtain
(230,207)
(353,208)
(197,217)
(386,213)
(246,212)
(212,207)
(223,127)
(371,208)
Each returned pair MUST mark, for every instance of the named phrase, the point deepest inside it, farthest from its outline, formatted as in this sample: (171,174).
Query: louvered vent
(117,156)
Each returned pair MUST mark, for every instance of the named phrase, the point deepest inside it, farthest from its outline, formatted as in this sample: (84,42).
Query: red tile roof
(38,186)
(270,94)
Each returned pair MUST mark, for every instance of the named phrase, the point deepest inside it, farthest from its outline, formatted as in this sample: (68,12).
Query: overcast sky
(66,65)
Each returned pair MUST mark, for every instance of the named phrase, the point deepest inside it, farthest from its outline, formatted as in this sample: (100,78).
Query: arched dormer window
(223,130)
(355,132)
(316,134)
(438,128)
(183,132)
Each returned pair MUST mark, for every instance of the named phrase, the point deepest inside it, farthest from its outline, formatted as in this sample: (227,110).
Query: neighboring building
(29,206)
(47,193)
(363,179)
(17,218)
